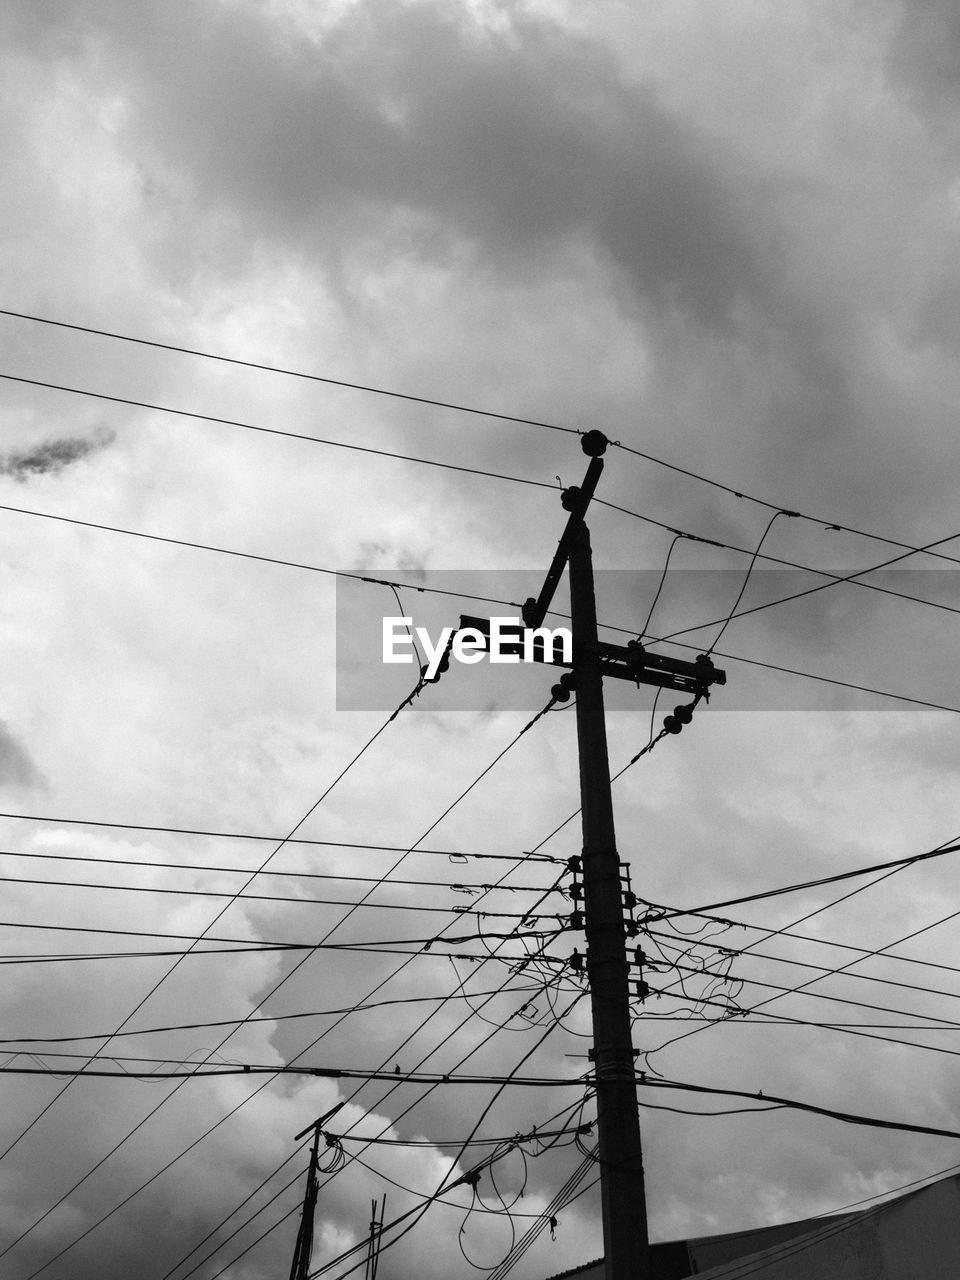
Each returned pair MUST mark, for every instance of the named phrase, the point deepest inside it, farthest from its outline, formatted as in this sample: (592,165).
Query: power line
(860,977)
(908,861)
(271,897)
(774,932)
(936,1023)
(276,987)
(519,480)
(776,506)
(444,1184)
(809,675)
(395,1053)
(500,476)
(461,595)
(802,988)
(384,947)
(836,579)
(244,835)
(203,1070)
(291,373)
(461,408)
(275,431)
(273,1017)
(249,555)
(793,1104)
(542,484)
(455,885)
(76,956)
(847,946)
(733,1014)
(370,741)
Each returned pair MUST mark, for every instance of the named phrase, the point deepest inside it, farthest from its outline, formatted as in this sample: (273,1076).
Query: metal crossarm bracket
(623,662)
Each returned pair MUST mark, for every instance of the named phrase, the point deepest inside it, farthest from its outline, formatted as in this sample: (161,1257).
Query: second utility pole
(623,1203)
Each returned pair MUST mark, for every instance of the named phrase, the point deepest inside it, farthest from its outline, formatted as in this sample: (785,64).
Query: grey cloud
(16,767)
(924,58)
(52,456)
(406,134)
(519,143)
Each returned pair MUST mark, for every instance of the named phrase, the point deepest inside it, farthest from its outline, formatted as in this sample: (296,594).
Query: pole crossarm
(623,662)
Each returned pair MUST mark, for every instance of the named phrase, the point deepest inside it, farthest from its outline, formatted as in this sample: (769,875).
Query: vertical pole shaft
(626,1247)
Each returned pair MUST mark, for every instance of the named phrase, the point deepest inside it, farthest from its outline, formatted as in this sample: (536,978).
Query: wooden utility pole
(623,1203)
(300,1267)
(625,1241)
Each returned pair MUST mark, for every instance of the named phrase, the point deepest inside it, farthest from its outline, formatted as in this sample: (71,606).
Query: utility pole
(623,1202)
(300,1267)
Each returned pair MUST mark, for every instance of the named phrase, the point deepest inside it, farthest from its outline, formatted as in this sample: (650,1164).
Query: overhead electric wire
(370,741)
(272,992)
(394,1084)
(511,604)
(742,494)
(564,1196)
(269,897)
(809,675)
(501,476)
(809,591)
(290,373)
(272,1017)
(860,977)
(882,1195)
(862,951)
(777,506)
(802,989)
(249,555)
(907,861)
(275,431)
(212,868)
(542,484)
(725,622)
(735,1015)
(769,1102)
(937,1023)
(444,1185)
(243,835)
(65,957)
(874,690)
(794,1104)
(204,1070)
(385,947)
(421,947)
(394,1053)
(774,932)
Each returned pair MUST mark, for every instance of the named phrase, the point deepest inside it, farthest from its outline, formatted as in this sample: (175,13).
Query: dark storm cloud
(518,142)
(53,456)
(925,56)
(16,767)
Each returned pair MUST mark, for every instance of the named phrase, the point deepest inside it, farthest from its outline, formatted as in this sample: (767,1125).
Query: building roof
(913,1237)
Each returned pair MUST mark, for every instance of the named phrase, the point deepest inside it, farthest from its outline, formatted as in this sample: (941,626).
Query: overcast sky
(726,235)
